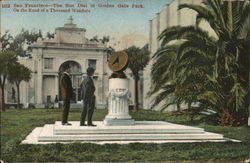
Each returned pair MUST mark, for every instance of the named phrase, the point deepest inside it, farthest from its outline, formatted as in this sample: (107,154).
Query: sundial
(118,62)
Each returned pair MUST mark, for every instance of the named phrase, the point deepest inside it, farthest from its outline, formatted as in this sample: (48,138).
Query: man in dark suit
(88,97)
(67,93)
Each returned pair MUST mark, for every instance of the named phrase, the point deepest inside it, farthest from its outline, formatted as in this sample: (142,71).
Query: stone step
(140,132)
(47,135)
(140,127)
(33,136)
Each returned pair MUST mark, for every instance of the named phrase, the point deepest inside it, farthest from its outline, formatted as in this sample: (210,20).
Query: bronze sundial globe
(118,61)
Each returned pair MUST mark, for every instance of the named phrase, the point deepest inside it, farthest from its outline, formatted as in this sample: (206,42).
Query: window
(48,63)
(92,63)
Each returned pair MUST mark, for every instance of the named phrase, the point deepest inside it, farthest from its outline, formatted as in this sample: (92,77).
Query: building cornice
(70,29)
(69,48)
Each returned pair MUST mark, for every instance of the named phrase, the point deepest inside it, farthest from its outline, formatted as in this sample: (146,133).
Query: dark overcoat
(66,87)
(88,90)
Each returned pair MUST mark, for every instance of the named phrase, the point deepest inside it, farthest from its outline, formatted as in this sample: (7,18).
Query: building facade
(48,58)
(169,16)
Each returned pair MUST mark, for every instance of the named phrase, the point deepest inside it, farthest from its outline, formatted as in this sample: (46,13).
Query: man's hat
(66,67)
(90,70)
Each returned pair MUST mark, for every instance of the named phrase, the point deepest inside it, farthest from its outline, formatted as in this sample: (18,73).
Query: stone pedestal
(140,132)
(118,97)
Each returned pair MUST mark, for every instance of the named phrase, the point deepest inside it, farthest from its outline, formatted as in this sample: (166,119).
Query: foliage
(7,60)
(109,50)
(6,39)
(200,68)
(17,124)
(138,59)
(50,35)
(11,48)
(19,73)
(20,41)
(103,40)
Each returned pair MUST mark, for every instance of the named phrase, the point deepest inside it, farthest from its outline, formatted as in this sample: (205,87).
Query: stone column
(26,95)
(56,85)
(118,97)
(39,80)
(56,91)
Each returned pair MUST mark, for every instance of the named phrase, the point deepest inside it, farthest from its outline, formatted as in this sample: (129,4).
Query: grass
(17,124)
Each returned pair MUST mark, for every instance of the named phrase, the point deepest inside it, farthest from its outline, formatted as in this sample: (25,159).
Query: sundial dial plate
(118,61)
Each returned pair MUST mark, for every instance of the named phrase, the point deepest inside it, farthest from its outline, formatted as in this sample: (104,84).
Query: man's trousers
(66,107)
(88,109)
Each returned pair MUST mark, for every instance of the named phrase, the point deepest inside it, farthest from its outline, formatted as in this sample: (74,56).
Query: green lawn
(17,124)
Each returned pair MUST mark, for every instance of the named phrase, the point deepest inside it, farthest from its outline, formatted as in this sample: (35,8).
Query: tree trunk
(178,107)
(190,112)
(18,95)
(2,104)
(189,106)
(136,94)
(229,16)
(226,118)
(1,101)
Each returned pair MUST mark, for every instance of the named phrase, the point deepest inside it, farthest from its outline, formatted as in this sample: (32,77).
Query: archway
(76,78)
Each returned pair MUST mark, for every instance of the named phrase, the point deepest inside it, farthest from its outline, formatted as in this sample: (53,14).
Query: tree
(103,40)
(50,35)
(7,60)
(21,40)
(6,40)
(138,59)
(19,73)
(211,70)
(12,47)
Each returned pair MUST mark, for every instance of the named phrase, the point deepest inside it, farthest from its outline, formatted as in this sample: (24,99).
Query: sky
(125,26)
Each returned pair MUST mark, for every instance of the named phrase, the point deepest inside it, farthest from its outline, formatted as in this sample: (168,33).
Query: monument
(118,126)
(118,95)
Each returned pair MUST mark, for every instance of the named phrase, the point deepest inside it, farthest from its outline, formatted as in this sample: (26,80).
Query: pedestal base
(140,132)
(118,122)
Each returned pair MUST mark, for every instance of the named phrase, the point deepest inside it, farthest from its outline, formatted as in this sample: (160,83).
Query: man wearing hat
(88,97)
(67,93)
